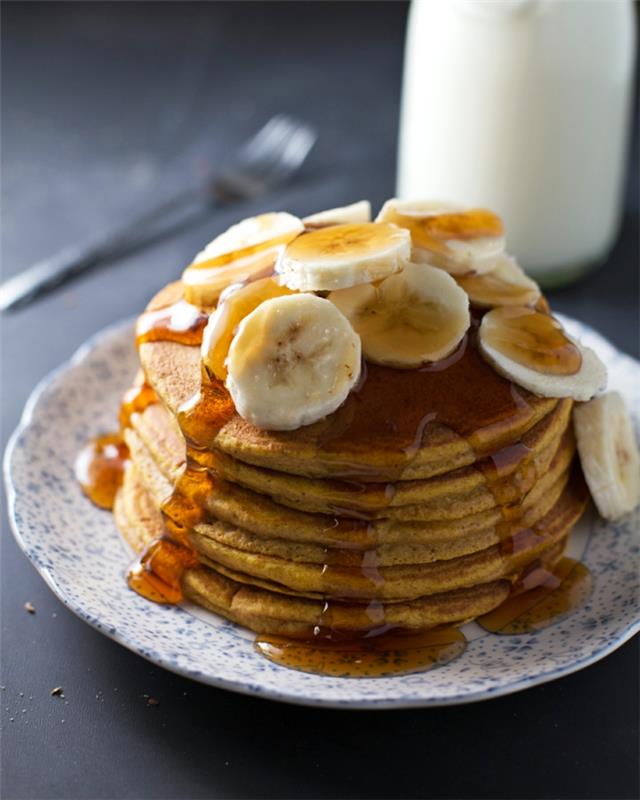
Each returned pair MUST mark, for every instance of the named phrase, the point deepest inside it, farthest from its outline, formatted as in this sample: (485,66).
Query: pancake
(279,562)
(341,445)
(419,502)
(523,464)
(269,612)
(266,611)
(259,514)
(401,581)
(444,497)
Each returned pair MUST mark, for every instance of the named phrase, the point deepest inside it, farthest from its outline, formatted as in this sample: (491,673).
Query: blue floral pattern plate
(79,553)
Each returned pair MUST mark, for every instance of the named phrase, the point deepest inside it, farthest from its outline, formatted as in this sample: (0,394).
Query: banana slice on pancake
(415,208)
(241,253)
(293,361)
(608,454)
(532,349)
(457,240)
(505,285)
(341,256)
(355,213)
(416,316)
(236,302)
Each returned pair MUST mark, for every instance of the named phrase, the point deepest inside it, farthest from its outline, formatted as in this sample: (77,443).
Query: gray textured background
(104,108)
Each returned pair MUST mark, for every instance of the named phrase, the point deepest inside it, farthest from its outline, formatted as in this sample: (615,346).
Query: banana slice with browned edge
(292,362)
(505,285)
(532,349)
(341,256)
(460,241)
(609,454)
(242,252)
(411,318)
(355,213)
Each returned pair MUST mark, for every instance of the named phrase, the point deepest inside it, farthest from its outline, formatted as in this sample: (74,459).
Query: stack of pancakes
(325,528)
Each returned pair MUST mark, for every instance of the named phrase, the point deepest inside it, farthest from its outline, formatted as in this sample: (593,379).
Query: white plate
(77,550)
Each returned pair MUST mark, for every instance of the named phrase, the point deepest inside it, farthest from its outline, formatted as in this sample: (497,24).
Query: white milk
(522,106)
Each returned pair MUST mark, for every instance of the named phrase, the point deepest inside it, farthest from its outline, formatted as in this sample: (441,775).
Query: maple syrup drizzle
(393,653)
(509,474)
(435,231)
(491,289)
(359,569)
(200,419)
(100,465)
(542,597)
(179,322)
(135,401)
(157,574)
(401,404)
(99,468)
(533,339)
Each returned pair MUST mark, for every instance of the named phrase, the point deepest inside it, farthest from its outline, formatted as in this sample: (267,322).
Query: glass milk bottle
(522,106)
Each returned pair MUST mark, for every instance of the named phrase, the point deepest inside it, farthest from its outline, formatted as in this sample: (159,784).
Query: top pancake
(399,424)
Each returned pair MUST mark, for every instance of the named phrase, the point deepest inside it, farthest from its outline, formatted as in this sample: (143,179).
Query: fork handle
(52,271)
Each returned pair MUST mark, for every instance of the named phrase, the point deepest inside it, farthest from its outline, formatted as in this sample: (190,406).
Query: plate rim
(241,686)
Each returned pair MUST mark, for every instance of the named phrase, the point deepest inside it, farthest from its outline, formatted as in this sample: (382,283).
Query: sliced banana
(505,285)
(460,241)
(245,250)
(293,361)
(352,214)
(236,302)
(257,233)
(532,349)
(413,317)
(203,287)
(415,208)
(344,255)
(608,454)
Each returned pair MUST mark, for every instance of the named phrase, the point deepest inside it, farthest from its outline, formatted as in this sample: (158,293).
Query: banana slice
(235,303)
(505,285)
(416,316)
(415,208)
(352,214)
(293,361)
(344,255)
(457,240)
(533,350)
(245,250)
(608,454)
(255,233)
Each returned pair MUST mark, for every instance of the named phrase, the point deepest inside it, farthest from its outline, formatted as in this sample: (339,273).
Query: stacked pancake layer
(421,501)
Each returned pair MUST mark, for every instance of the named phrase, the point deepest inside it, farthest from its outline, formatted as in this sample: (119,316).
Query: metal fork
(270,157)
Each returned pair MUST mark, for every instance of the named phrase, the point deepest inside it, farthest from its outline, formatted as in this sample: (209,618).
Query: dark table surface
(105,107)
